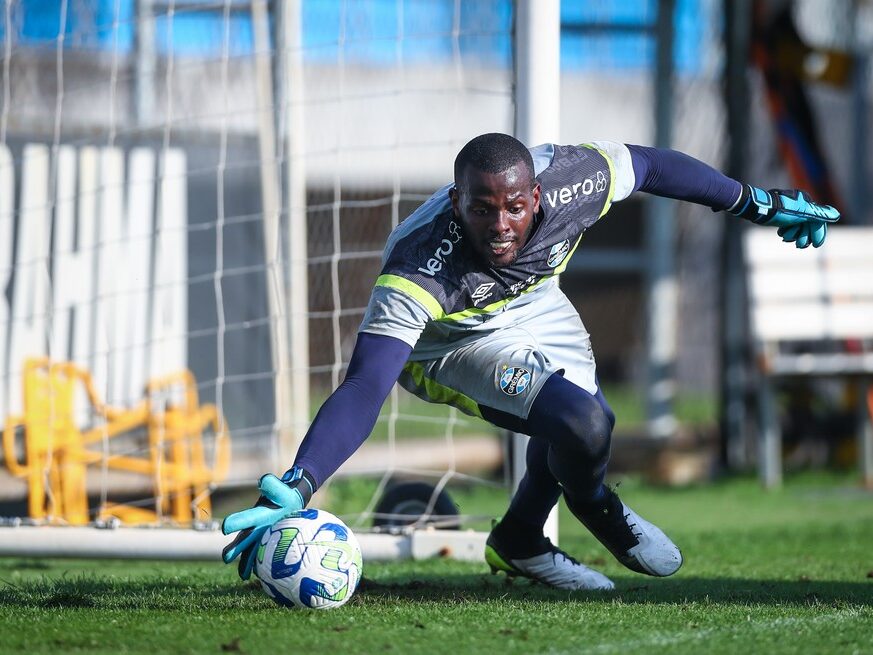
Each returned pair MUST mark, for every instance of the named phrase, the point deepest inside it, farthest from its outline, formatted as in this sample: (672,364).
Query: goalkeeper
(468,312)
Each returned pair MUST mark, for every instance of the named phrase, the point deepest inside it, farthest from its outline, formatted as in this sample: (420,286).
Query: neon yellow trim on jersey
(416,292)
(478,311)
(611,192)
(563,265)
(440,393)
(489,309)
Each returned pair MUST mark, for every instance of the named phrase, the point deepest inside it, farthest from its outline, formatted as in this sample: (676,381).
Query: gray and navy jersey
(434,293)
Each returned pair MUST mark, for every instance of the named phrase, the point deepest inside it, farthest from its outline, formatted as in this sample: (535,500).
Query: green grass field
(784,572)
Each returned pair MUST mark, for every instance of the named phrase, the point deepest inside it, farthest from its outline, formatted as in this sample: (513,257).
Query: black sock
(519,539)
(605,499)
(587,502)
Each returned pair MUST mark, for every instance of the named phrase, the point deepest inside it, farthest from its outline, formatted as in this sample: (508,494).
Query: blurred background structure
(208,185)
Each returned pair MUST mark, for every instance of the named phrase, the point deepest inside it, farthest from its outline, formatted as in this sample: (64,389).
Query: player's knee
(598,433)
(587,429)
(610,416)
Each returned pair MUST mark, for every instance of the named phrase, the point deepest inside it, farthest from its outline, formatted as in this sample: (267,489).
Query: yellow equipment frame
(56,454)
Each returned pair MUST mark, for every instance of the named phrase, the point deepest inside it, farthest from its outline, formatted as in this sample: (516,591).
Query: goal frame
(535,121)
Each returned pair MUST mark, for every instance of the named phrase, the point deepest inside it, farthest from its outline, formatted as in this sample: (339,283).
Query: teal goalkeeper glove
(798,218)
(279,499)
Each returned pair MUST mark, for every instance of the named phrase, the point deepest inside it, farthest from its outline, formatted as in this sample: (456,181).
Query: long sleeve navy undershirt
(347,417)
(349,414)
(672,174)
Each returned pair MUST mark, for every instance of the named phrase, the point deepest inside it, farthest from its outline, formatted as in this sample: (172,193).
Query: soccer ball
(310,560)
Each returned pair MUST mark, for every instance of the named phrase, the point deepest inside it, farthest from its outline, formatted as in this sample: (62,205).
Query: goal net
(194,197)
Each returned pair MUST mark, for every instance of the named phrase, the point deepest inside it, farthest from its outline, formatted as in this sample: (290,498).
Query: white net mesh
(146,169)
(156,156)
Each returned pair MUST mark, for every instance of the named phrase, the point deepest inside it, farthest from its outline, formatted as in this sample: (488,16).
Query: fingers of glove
(254,517)
(802,204)
(280,493)
(819,232)
(795,205)
(828,213)
(803,238)
(230,550)
(784,218)
(790,232)
(247,560)
(812,211)
(245,539)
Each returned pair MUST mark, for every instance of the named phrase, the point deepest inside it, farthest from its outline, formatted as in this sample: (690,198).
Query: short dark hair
(493,153)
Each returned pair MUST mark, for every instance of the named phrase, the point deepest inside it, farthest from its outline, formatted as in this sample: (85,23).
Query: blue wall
(370,29)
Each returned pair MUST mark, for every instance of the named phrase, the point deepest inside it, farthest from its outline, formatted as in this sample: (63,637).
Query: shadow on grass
(640,589)
(90,593)
(81,592)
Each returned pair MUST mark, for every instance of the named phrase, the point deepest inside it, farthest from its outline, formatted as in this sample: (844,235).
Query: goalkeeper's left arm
(673,174)
(342,424)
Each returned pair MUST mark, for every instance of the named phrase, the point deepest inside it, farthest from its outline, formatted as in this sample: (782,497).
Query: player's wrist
(754,204)
(301,481)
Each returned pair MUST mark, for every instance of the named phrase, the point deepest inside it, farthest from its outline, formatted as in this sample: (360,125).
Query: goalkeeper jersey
(436,294)
(433,295)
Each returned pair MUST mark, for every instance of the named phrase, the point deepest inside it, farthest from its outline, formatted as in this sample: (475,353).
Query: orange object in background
(57,452)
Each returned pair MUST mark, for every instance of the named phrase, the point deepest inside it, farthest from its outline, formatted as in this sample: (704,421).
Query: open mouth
(500,246)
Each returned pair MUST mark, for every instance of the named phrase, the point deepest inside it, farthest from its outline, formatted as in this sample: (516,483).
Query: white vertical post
(537,67)
(271,207)
(7,229)
(537,120)
(298,295)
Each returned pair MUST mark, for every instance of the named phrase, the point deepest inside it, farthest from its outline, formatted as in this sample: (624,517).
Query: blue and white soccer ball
(310,560)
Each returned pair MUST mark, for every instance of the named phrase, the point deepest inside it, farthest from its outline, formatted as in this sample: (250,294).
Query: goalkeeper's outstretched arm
(673,174)
(347,417)
(342,424)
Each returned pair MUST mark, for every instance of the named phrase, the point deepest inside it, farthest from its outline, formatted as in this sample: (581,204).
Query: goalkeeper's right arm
(347,417)
(342,424)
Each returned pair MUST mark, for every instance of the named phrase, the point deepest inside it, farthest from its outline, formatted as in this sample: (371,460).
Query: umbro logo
(482,292)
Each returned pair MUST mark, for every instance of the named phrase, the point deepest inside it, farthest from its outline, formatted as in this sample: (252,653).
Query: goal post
(293,108)
(537,120)
(151,227)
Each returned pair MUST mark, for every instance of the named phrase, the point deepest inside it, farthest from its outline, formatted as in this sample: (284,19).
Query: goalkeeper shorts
(505,369)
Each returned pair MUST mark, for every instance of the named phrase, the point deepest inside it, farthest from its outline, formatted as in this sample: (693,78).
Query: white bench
(811,314)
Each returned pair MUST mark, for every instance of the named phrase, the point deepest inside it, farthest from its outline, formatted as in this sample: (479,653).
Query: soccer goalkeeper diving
(467,311)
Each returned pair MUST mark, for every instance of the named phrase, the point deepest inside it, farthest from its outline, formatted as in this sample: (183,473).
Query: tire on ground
(405,503)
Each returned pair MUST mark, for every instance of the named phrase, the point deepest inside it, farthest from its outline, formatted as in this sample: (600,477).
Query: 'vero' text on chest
(445,248)
(567,194)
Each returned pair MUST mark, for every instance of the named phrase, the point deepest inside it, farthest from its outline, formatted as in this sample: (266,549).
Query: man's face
(497,211)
